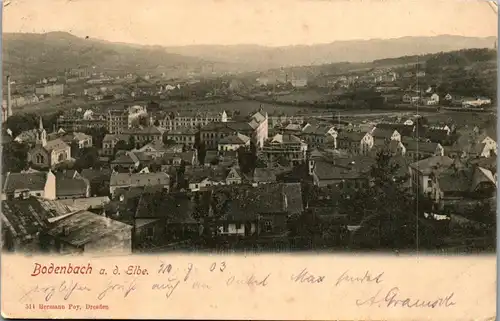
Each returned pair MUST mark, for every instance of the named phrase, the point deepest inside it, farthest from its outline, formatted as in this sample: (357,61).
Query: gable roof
(34,181)
(351,136)
(71,186)
(56,144)
(25,218)
(139,179)
(426,147)
(432,164)
(244,202)
(235,139)
(383,133)
(404,130)
(317,129)
(85,227)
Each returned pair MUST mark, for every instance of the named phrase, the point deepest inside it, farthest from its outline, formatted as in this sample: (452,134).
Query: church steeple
(41,134)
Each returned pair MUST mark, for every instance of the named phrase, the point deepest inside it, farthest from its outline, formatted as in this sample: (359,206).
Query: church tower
(41,137)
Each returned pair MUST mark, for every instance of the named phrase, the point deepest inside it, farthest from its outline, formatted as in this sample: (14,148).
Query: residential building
(346,174)
(126,180)
(315,135)
(462,182)
(213,133)
(417,150)
(205,178)
(145,135)
(191,119)
(72,187)
(75,123)
(257,211)
(185,136)
(422,174)
(23,220)
(356,143)
(117,121)
(472,145)
(25,184)
(126,161)
(85,233)
(109,142)
(157,149)
(285,147)
(233,142)
(80,139)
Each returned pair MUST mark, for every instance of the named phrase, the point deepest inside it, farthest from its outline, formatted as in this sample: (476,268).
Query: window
(150,231)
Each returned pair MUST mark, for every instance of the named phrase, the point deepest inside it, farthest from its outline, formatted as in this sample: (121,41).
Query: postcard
(267,159)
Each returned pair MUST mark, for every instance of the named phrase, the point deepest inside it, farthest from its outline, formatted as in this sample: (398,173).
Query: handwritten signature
(365,278)
(393,299)
(65,288)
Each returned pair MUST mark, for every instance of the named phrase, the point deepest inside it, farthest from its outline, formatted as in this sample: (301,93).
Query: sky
(263,22)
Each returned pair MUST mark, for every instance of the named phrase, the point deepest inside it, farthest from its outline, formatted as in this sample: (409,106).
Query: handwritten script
(167,279)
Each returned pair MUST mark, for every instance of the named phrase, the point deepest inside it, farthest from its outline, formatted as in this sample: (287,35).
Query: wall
(50,186)
(119,242)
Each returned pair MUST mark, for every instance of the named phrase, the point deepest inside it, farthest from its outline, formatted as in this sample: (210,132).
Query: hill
(260,57)
(46,54)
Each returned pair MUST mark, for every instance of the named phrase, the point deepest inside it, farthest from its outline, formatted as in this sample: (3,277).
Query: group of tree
(14,157)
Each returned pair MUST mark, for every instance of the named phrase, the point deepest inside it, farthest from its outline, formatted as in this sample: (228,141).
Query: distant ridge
(38,54)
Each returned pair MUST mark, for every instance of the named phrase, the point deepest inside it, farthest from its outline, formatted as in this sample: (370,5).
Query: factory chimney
(9,98)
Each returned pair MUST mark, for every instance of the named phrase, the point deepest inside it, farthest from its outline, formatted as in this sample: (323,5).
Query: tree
(98,134)
(202,152)
(88,158)
(121,145)
(384,210)
(14,157)
(131,142)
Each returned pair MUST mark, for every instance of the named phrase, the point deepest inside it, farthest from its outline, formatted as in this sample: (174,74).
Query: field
(303,96)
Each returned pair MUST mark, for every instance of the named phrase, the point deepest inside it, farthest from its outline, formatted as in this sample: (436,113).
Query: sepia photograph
(273,126)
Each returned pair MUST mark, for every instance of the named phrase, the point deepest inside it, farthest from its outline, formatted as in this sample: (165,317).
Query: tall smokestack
(9,98)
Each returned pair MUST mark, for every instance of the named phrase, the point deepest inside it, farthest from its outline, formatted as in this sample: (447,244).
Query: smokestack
(9,98)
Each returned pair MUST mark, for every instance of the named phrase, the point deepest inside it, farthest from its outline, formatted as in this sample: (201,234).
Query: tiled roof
(242,202)
(144,179)
(432,164)
(151,130)
(115,137)
(85,227)
(347,168)
(317,129)
(425,147)
(265,175)
(86,203)
(34,181)
(71,187)
(174,207)
(235,139)
(285,139)
(76,136)
(453,180)
(404,130)
(382,133)
(96,175)
(127,158)
(25,218)
(56,144)
(351,136)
